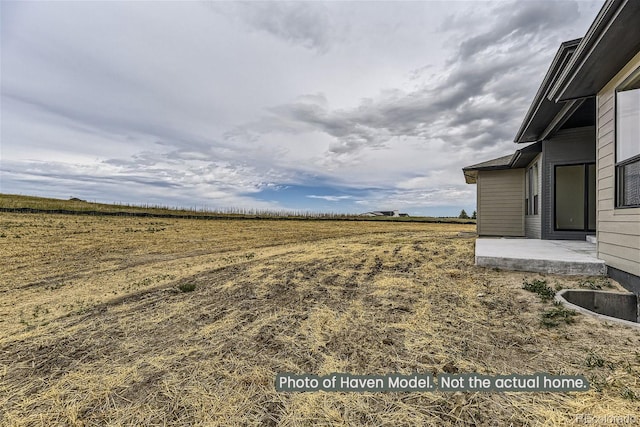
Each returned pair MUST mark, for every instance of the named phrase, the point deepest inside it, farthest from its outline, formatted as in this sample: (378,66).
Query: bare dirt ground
(99,325)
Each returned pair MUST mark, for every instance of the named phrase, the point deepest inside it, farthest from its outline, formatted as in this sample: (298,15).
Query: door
(575,197)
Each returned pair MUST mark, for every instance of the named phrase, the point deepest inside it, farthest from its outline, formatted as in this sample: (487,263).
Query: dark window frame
(620,182)
(531,202)
(630,83)
(526,193)
(586,228)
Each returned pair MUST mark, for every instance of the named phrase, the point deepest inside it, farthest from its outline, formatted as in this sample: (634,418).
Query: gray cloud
(304,23)
(477,100)
(184,104)
(530,20)
(58,172)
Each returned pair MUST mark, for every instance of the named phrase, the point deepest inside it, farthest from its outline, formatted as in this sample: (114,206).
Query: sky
(327,107)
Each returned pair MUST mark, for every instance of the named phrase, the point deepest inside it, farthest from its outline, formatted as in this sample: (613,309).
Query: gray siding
(532,226)
(618,229)
(533,223)
(501,203)
(569,146)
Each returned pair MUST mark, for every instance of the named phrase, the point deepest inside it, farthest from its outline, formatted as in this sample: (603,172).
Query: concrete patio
(571,257)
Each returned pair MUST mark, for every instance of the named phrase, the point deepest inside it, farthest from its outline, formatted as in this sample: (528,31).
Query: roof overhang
(610,43)
(542,110)
(520,159)
(524,156)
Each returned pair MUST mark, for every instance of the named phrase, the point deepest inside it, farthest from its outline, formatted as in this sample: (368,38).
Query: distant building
(384,213)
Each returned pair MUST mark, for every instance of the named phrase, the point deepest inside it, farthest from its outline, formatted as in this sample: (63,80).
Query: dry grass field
(130,321)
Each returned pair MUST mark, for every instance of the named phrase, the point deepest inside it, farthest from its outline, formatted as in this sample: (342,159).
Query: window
(534,180)
(628,142)
(531,190)
(575,191)
(527,193)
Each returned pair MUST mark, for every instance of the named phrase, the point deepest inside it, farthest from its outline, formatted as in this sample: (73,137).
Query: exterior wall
(618,229)
(501,203)
(533,223)
(568,146)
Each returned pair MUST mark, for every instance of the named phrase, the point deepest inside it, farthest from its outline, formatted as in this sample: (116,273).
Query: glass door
(575,197)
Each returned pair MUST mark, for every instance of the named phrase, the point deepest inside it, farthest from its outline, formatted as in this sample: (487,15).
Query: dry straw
(95,329)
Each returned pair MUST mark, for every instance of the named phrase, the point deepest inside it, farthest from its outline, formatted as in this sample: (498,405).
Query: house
(579,175)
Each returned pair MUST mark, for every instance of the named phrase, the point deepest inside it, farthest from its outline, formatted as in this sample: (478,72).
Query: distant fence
(231,216)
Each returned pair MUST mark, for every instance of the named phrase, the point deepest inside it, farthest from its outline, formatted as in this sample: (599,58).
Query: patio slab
(571,257)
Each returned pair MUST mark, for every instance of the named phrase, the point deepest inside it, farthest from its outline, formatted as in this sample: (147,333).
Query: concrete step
(571,257)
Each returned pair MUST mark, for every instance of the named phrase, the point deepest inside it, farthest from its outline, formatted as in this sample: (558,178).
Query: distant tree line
(464,215)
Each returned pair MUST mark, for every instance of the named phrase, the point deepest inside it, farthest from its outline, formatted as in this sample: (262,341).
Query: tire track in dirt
(325,287)
(388,303)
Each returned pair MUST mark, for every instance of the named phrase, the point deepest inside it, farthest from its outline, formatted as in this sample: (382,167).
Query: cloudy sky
(338,106)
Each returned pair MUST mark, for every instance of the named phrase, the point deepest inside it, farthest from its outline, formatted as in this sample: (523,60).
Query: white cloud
(214,103)
(330,198)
